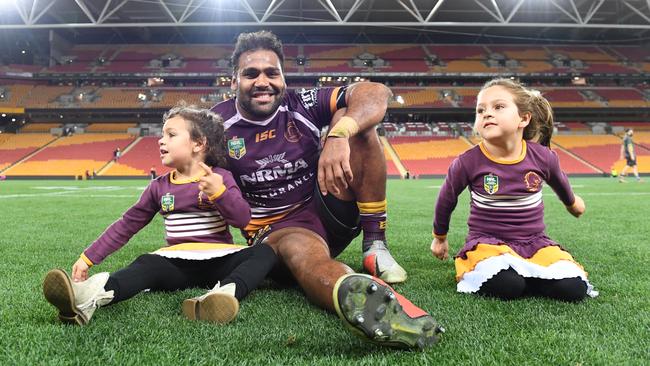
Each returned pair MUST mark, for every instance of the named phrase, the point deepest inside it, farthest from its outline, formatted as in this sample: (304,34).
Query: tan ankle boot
(218,305)
(76,301)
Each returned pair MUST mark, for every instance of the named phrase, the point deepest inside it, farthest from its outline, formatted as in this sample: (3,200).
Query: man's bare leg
(308,258)
(368,306)
(375,312)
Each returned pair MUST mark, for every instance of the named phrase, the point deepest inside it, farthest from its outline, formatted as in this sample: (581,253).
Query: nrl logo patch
(491,183)
(167,202)
(236,148)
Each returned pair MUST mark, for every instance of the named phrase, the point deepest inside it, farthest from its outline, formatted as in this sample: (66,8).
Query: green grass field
(46,224)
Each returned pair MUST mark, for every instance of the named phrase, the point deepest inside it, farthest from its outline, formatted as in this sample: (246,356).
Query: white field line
(77,192)
(69,195)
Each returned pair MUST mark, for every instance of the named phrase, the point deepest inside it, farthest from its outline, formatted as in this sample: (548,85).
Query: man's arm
(366,105)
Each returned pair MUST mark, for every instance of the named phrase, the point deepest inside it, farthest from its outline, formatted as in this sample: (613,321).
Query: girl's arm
(559,182)
(119,233)
(454,184)
(231,204)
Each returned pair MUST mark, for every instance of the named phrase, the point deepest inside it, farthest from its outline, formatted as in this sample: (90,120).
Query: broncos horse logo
(533,181)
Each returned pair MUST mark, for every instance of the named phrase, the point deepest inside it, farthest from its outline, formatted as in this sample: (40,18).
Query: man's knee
(365,139)
(298,247)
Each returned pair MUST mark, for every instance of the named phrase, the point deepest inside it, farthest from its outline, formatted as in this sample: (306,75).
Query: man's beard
(265,111)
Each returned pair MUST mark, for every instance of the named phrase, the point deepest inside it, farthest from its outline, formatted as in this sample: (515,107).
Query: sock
(373,222)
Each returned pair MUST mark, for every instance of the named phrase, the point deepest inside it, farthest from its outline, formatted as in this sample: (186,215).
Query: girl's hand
(80,270)
(440,248)
(578,207)
(211,182)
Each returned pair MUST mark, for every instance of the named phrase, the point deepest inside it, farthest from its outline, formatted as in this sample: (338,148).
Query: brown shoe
(76,301)
(218,305)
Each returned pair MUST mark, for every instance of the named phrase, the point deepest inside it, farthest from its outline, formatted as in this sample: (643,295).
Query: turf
(46,224)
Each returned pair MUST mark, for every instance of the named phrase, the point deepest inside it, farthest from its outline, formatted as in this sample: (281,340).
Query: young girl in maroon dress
(507,255)
(199,200)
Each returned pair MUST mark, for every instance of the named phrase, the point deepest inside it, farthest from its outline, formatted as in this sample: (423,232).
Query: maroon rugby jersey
(275,161)
(505,196)
(189,216)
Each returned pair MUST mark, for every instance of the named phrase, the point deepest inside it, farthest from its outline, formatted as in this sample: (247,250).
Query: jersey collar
(174,180)
(255,122)
(502,161)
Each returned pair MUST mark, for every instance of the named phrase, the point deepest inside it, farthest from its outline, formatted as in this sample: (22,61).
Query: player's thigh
(298,248)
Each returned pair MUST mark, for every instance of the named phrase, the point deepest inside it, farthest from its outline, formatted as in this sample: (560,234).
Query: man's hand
(80,270)
(578,207)
(334,172)
(440,248)
(211,182)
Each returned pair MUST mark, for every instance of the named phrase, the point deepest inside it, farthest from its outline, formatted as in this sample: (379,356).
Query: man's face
(259,83)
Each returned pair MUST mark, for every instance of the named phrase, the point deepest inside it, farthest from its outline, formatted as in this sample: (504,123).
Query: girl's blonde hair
(540,128)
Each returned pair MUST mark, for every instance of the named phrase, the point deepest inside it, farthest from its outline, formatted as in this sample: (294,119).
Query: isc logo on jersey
(266,135)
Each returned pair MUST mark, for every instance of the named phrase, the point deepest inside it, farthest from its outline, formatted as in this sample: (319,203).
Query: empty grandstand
(71,101)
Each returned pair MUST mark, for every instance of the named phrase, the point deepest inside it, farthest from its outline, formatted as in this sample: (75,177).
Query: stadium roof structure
(353,20)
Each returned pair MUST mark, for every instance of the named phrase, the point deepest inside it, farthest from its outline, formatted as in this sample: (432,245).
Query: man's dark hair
(261,40)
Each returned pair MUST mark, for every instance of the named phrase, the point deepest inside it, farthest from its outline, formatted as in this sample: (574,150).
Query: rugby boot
(76,301)
(378,262)
(218,305)
(376,313)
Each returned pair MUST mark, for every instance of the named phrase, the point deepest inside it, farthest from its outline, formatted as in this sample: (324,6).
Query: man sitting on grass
(273,139)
